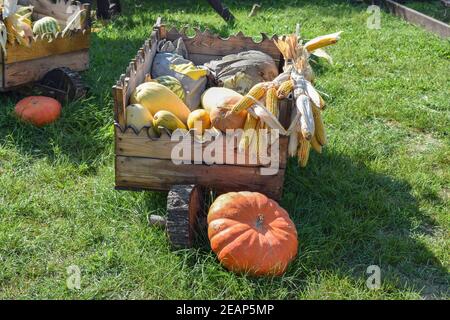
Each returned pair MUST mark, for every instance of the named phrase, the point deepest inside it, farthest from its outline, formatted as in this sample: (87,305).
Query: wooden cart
(52,65)
(145,163)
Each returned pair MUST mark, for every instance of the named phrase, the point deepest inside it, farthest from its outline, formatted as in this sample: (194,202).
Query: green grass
(379,194)
(432,8)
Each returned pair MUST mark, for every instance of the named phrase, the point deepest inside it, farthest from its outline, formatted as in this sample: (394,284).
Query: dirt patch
(445,194)
(420,143)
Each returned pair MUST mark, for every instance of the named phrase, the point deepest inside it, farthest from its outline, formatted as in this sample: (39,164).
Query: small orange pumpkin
(38,110)
(251,234)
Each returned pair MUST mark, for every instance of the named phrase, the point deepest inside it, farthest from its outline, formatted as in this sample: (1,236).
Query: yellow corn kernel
(285,89)
(272,101)
(322,41)
(249,131)
(257,92)
(319,131)
(316,145)
(304,147)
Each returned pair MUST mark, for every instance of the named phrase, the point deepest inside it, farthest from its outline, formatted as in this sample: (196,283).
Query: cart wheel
(63,84)
(184,203)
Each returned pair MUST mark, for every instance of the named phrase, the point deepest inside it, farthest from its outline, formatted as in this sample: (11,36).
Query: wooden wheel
(184,204)
(63,84)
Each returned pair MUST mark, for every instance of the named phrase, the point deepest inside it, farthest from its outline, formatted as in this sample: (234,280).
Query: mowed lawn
(378,195)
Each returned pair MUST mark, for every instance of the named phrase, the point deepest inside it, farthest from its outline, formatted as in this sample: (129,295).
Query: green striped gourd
(174,85)
(46,26)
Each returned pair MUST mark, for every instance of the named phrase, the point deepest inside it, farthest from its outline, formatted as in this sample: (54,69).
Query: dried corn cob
(249,132)
(307,119)
(304,148)
(293,144)
(322,41)
(316,145)
(285,89)
(319,131)
(272,101)
(263,143)
(293,136)
(257,92)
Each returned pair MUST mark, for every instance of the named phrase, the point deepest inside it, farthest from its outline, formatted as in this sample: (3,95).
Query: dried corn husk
(307,118)
(3,37)
(76,22)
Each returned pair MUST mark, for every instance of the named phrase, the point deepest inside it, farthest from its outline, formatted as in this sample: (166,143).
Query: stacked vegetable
(161,102)
(307,128)
(17,25)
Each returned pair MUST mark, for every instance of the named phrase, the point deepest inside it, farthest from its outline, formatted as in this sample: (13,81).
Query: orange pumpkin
(38,110)
(251,234)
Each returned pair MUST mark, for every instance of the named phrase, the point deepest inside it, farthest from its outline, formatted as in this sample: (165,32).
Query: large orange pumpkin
(251,234)
(38,110)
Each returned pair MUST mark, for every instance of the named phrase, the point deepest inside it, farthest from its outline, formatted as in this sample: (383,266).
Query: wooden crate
(144,163)
(22,65)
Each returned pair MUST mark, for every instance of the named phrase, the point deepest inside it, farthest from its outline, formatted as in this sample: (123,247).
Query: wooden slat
(210,44)
(440,28)
(43,48)
(155,174)
(135,74)
(133,145)
(61,10)
(20,73)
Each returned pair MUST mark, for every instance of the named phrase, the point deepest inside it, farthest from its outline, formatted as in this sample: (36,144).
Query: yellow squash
(167,120)
(138,117)
(199,120)
(156,97)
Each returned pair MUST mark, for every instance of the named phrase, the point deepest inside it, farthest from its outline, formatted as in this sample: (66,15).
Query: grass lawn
(432,8)
(379,194)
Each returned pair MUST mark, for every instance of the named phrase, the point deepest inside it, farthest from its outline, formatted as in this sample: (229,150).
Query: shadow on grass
(84,133)
(349,217)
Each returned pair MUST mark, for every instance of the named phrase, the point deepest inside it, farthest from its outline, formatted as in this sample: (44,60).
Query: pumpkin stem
(260,221)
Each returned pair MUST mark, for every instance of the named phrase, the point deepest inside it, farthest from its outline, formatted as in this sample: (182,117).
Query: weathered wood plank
(133,145)
(155,174)
(210,44)
(440,28)
(62,10)
(23,72)
(184,206)
(43,48)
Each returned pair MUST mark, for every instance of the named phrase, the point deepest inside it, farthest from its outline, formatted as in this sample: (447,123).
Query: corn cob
(304,147)
(306,120)
(294,128)
(322,103)
(249,132)
(316,145)
(272,101)
(322,41)
(293,144)
(285,89)
(257,92)
(263,145)
(319,131)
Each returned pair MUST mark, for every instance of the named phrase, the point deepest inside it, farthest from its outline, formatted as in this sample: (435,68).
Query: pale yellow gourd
(218,103)
(214,97)
(168,120)
(156,97)
(138,117)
